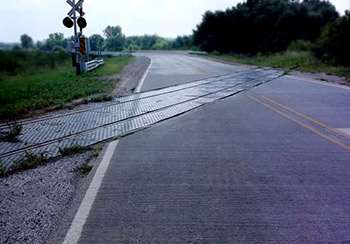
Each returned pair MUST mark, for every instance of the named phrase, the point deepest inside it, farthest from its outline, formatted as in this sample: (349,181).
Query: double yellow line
(341,144)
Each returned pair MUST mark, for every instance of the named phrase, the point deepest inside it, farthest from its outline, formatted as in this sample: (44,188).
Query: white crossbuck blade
(77,7)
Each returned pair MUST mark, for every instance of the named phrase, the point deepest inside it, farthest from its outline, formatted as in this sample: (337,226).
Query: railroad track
(98,122)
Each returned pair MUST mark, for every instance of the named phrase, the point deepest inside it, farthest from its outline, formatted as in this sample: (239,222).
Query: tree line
(269,26)
(115,40)
(112,40)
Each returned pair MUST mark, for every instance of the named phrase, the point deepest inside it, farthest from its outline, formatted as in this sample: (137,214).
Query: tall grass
(29,62)
(34,86)
(305,61)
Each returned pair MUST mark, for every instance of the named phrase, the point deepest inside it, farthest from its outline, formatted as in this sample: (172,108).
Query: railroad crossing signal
(79,46)
(68,22)
(77,7)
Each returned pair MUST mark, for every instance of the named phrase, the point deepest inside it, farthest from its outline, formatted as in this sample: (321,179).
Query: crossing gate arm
(93,64)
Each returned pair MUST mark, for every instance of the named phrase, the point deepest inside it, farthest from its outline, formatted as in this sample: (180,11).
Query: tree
(26,41)
(115,39)
(55,40)
(333,44)
(96,42)
(115,44)
(183,42)
(111,31)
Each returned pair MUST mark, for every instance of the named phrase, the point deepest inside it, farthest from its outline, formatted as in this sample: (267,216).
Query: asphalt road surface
(270,165)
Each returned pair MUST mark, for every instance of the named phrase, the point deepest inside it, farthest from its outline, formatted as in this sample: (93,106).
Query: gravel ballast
(33,201)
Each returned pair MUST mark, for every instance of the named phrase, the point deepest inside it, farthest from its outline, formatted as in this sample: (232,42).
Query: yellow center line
(306,117)
(346,147)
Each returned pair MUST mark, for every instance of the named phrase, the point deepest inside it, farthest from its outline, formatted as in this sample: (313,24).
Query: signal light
(82,22)
(68,22)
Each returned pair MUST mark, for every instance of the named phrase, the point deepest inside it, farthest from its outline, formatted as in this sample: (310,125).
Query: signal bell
(82,22)
(68,22)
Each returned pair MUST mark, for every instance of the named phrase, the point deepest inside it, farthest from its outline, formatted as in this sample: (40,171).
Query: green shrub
(300,45)
(333,45)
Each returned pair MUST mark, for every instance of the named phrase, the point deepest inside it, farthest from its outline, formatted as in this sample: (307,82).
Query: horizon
(149,17)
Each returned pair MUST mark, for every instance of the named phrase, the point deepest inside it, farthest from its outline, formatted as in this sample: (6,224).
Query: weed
(286,72)
(3,169)
(133,90)
(96,154)
(84,170)
(73,150)
(85,100)
(101,98)
(14,130)
(30,161)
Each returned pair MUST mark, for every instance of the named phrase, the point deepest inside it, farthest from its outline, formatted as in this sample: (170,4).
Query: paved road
(173,68)
(267,166)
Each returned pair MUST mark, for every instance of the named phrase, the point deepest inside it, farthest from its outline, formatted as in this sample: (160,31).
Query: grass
(73,150)
(30,91)
(305,61)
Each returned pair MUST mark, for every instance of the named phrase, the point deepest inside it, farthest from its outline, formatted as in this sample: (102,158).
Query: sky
(166,18)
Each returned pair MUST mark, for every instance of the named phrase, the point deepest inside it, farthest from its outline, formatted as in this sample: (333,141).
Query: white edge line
(76,228)
(139,86)
(325,83)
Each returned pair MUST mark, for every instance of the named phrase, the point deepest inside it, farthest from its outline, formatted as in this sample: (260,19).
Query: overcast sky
(167,18)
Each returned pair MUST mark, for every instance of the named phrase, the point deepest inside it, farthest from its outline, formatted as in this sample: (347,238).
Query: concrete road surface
(267,166)
(174,68)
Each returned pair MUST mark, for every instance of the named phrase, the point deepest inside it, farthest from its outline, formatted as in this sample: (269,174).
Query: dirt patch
(33,201)
(130,76)
(321,76)
(226,62)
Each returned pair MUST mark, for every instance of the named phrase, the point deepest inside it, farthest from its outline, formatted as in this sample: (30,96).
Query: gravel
(33,202)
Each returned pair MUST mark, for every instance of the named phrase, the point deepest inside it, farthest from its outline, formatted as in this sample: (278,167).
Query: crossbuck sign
(77,7)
